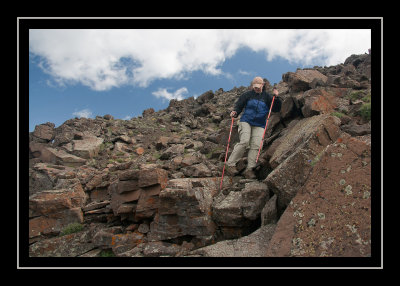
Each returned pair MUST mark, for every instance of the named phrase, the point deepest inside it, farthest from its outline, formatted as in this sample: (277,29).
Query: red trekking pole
(266,124)
(226,154)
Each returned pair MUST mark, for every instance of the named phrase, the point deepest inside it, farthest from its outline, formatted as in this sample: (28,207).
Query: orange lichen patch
(139,150)
(324,103)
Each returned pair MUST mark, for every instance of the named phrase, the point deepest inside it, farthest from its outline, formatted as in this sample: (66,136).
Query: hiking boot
(231,171)
(249,174)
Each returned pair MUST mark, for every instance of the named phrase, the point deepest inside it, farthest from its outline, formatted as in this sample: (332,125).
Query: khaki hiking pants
(250,137)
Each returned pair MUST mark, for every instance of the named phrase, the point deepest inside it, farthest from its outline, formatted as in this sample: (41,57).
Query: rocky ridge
(149,186)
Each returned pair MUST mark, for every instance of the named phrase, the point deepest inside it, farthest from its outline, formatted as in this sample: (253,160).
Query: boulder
(153,177)
(331,213)
(227,210)
(185,209)
(51,210)
(71,245)
(173,151)
(119,199)
(301,79)
(205,97)
(88,147)
(45,131)
(136,192)
(252,245)
(317,101)
(53,223)
(298,150)
(54,156)
(237,212)
(288,108)
(235,208)
(357,130)
(52,201)
(162,142)
(322,128)
(197,171)
(98,181)
(44,176)
(254,196)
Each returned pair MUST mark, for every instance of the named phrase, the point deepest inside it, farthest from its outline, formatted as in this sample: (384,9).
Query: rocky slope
(149,186)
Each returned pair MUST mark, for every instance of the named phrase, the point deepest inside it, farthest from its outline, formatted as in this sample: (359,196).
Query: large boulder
(331,213)
(55,156)
(52,210)
(44,131)
(298,150)
(71,245)
(301,79)
(237,212)
(185,209)
(87,147)
(322,129)
(135,194)
(319,100)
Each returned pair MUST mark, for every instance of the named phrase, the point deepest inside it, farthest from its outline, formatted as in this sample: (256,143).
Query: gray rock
(253,245)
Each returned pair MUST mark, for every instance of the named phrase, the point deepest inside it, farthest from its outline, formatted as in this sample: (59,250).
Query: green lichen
(348,190)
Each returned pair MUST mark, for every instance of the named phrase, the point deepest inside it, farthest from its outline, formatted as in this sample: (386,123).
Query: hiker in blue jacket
(256,103)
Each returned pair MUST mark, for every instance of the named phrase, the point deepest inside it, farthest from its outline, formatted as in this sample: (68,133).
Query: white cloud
(164,93)
(87,113)
(242,72)
(102,59)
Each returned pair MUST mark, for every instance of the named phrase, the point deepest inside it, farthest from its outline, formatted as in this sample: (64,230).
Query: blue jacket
(257,107)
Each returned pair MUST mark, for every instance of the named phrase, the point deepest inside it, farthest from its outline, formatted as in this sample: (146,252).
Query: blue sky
(75,73)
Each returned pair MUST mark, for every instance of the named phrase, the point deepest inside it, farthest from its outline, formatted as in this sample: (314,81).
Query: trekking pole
(226,154)
(266,124)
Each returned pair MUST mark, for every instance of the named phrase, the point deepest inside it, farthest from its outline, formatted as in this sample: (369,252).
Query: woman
(257,103)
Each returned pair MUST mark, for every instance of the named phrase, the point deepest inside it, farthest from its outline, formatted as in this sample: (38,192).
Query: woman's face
(257,86)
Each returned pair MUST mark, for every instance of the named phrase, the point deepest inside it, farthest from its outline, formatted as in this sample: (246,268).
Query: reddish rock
(50,201)
(148,202)
(302,79)
(53,223)
(120,242)
(331,213)
(126,197)
(317,101)
(302,144)
(152,177)
(185,208)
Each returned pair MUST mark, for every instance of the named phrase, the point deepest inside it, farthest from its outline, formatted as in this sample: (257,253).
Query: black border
(375,261)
